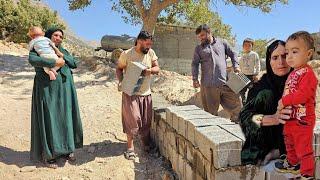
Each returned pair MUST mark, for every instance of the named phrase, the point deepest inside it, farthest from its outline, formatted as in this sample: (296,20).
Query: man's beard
(144,50)
(206,41)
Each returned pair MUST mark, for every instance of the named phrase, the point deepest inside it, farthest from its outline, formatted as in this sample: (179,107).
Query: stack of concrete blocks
(202,146)
(132,79)
(175,46)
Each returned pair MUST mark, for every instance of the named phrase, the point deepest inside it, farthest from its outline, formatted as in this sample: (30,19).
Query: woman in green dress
(259,119)
(56,129)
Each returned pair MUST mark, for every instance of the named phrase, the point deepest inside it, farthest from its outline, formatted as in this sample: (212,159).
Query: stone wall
(174,46)
(202,146)
(316,37)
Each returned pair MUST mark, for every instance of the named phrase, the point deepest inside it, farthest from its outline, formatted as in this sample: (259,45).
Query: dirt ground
(104,143)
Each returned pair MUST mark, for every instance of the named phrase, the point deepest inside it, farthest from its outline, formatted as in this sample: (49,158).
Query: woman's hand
(60,62)
(284,114)
(279,117)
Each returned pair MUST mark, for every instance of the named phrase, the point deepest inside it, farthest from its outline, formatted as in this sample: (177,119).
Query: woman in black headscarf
(56,128)
(259,119)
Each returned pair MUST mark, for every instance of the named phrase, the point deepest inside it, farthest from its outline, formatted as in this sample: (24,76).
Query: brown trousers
(137,116)
(212,97)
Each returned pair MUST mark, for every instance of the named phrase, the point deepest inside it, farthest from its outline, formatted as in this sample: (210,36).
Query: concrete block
(198,164)
(234,130)
(190,152)
(174,161)
(219,146)
(199,177)
(316,139)
(172,137)
(238,173)
(132,79)
(172,154)
(186,116)
(156,117)
(182,108)
(190,175)
(175,121)
(162,124)
(174,112)
(181,167)
(193,124)
(160,133)
(182,150)
(317,168)
(275,176)
(169,114)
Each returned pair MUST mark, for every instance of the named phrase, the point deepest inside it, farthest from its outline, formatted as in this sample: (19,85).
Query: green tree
(260,46)
(16,19)
(146,12)
(194,14)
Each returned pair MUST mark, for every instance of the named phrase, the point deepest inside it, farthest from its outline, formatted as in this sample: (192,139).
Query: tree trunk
(150,16)
(149,23)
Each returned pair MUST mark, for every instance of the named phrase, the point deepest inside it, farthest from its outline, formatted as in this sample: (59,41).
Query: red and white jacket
(300,93)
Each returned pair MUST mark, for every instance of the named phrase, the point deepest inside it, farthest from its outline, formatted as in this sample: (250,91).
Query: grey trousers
(212,97)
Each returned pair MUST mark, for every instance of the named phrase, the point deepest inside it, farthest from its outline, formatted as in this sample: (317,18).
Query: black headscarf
(270,80)
(52,30)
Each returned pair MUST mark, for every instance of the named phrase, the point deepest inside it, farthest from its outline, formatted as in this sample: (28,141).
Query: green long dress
(56,127)
(262,99)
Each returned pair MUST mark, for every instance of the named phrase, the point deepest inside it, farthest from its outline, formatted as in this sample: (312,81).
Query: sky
(98,19)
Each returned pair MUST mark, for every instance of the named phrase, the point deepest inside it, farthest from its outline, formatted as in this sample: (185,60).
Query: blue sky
(98,19)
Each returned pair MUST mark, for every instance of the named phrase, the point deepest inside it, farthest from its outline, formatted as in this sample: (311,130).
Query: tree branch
(166,3)
(140,6)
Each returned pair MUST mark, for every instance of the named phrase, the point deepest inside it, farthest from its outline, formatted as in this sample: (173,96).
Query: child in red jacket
(299,93)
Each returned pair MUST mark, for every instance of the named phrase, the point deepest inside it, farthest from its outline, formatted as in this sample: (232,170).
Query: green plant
(16,19)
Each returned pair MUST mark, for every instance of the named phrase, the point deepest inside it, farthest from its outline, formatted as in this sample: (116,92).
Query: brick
(234,130)
(193,124)
(218,143)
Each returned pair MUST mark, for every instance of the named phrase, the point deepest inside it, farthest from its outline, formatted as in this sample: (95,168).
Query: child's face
(36,32)
(247,46)
(298,53)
